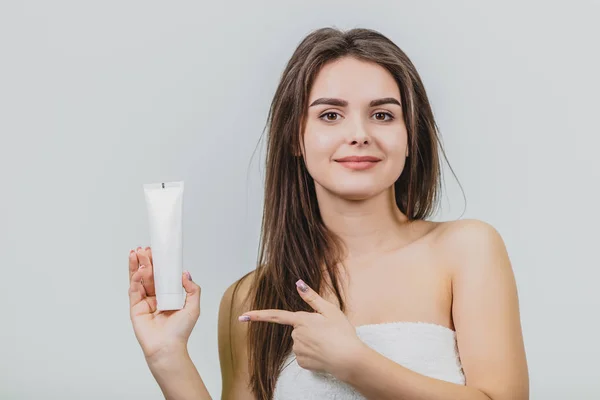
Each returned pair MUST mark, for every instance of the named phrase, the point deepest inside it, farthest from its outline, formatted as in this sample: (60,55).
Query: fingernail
(244,318)
(189,276)
(139,249)
(302,286)
(147,248)
(131,252)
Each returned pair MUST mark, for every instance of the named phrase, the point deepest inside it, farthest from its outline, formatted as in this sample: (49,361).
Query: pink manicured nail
(244,318)
(189,276)
(302,286)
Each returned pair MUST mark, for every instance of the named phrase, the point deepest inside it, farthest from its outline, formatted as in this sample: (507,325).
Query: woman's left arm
(485,311)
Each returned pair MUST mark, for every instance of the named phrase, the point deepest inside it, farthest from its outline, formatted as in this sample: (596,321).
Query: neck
(365,226)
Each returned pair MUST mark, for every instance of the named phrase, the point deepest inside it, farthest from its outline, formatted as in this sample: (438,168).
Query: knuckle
(303,317)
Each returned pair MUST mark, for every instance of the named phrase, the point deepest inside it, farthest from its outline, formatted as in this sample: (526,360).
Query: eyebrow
(344,103)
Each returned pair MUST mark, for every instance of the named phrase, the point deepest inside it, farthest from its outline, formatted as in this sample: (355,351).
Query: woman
(387,304)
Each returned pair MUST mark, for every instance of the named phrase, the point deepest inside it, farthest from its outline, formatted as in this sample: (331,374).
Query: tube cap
(169,301)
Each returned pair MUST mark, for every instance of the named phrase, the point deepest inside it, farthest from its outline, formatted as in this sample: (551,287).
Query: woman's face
(354,111)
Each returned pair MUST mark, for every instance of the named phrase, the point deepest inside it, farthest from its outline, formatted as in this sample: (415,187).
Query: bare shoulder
(232,336)
(465,231)
(465,241)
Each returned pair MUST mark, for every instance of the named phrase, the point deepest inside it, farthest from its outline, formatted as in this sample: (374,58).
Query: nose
(359,138)
(360,142)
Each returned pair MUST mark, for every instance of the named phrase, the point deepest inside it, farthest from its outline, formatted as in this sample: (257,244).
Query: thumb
(192,298)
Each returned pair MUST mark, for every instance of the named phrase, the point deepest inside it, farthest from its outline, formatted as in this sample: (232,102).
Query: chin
(354,188)
(356,193)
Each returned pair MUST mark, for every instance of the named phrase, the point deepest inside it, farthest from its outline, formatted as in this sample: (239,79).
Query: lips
(358,163)
(358,159)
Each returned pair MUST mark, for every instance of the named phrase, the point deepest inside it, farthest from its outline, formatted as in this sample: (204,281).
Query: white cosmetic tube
(164,202)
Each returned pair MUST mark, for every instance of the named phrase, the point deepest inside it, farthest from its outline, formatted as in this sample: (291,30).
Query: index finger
(277,316)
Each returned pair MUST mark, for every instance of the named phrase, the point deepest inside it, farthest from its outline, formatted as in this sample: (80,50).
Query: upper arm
(485,310)
(232,335)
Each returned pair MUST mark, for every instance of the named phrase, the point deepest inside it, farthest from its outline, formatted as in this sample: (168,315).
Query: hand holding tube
(163,335)
(159,332)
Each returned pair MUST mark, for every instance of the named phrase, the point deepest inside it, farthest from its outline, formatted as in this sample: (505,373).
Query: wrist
(176,374)
(353,362)
(168,357)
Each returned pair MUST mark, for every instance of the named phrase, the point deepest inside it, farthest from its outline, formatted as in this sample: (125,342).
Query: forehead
(353,80)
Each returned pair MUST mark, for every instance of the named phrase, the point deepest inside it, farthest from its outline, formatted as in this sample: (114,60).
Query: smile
(358,162)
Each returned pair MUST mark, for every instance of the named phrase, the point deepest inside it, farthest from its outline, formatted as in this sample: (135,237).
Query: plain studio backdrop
(98,98)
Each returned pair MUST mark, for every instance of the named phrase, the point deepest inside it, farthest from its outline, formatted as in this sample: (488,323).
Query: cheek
(319,148)
(393,145)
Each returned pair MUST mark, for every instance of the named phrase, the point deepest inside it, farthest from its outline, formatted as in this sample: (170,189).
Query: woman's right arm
(163,336)
(178,378)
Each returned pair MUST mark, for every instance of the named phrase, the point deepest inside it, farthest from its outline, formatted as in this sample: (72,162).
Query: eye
(328,114)
(380,116)
(381,113)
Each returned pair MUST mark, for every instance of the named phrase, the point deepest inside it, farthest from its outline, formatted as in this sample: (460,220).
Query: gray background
(98,98)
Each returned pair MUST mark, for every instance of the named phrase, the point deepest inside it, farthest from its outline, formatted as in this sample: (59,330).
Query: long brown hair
(295,243)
